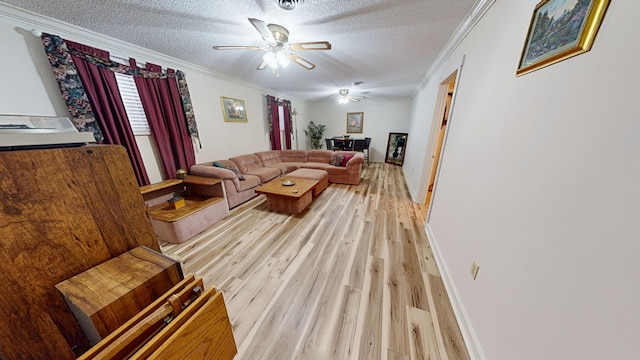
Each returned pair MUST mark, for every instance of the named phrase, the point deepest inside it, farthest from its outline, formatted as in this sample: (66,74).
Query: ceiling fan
(279,53)
(344,97)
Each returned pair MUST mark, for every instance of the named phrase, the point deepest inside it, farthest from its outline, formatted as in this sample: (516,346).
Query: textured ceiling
(387,44)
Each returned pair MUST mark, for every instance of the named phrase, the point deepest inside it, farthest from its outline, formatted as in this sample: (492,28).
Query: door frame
(439,112)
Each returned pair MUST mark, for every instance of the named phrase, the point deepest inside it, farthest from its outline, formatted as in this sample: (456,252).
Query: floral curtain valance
(70,85)
(60,58)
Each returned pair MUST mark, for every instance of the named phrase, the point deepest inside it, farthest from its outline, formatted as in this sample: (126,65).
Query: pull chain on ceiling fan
(279,53)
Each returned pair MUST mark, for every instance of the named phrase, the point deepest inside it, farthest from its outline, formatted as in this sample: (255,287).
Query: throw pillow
(347,157)
(217,164)
(336,159)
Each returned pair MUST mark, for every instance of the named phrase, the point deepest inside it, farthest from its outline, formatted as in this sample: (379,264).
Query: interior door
(435,157)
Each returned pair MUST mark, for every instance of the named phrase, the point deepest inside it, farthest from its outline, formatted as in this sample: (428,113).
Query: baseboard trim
(469,335)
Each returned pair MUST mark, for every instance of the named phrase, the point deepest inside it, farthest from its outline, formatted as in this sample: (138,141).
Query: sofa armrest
(212,171)
(355,161)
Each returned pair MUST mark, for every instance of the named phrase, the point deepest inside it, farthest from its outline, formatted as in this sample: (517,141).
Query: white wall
(539,185)
(34,91)
(380,118)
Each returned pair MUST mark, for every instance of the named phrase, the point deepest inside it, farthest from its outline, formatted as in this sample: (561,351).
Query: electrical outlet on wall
(474,270)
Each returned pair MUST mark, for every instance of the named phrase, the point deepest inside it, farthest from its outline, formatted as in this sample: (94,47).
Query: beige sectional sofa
(261,167)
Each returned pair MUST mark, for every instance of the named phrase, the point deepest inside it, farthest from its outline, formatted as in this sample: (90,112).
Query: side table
(205,205)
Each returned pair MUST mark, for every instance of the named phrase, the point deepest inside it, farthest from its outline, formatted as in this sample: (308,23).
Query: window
(132,104)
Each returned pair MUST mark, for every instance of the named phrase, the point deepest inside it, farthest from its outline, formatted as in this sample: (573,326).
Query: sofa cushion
(291,166)
(319,156)
(294,156)
(316,165)
(265,173)
(268,158)
(246,163)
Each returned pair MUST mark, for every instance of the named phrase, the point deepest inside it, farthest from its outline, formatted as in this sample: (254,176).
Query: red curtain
(286,105)
(102,90)
(274,122)
(163,107)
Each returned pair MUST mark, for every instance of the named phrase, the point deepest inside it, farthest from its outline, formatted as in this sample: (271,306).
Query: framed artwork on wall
(233,110)
(355,122)
(560,29)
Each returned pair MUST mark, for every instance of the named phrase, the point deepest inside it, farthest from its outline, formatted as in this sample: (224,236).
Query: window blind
(132,104)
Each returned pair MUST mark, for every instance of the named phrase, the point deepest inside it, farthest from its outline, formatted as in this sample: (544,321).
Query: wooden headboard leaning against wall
(62,211)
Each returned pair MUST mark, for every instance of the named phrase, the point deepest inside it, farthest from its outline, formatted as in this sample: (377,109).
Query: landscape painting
(560,29)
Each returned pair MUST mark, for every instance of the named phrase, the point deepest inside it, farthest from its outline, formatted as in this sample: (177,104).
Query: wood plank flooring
(351,277)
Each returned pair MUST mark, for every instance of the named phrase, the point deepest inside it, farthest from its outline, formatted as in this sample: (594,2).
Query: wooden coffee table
(289,199)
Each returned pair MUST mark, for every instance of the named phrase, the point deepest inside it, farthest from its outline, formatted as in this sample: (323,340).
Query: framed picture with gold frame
(233,110)
(560,29)
(355,122)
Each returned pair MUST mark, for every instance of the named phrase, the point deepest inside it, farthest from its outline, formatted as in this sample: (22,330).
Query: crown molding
(37,23)
(477,12)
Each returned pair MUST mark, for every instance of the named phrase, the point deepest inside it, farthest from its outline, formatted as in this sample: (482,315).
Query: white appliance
(23,131)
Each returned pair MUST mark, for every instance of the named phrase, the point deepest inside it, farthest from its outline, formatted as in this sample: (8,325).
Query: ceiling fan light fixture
(279,53)
(276,59)
(344,97)
(270,59)
(283,60)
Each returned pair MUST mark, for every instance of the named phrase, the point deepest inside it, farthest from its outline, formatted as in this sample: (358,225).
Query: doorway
(442,114)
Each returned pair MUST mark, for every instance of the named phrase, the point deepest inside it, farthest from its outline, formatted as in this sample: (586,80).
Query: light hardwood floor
(351,277)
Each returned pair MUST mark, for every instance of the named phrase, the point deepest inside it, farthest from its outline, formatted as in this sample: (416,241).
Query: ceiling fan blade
(302,62)
(262,28)
(237,48)
(354,99)
(262,65)
(312,45)
(357,97)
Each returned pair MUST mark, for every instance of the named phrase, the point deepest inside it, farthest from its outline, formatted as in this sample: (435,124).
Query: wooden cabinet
(186,322)
(205,205)
(106,296)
